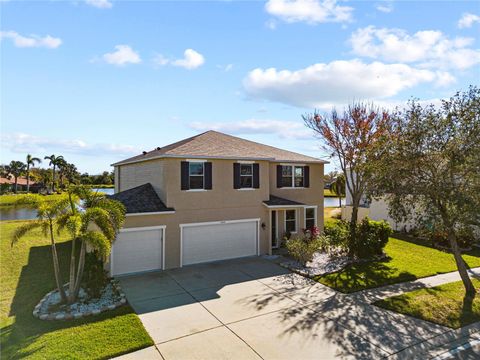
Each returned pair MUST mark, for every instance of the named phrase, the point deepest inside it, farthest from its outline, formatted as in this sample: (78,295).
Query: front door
(274,229)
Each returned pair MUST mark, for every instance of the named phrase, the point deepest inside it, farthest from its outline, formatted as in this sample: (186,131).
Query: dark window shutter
(279,176)
(208,175)
(256,176)
(306,176)
(184,175)
(236,175)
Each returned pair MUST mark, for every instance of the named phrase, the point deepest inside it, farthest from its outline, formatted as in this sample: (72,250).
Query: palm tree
(339,187)
(86,209)
(55,161)
(31,162)
(48,213)
(16,169)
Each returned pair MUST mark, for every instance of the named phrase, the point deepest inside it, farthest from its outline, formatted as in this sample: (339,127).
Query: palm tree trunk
(16,182)
(81,266)
(56,267)
(71,285)
(28,178)
(462,268)
(53,181)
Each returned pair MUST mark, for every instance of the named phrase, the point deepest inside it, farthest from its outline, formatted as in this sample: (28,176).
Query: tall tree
(55,162)
(433,163)
(47,214)
(30,162)
(338,187)
(350,138)
(15,169)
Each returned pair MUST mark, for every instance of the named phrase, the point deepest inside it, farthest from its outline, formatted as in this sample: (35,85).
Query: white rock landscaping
(321,264)
(111,298)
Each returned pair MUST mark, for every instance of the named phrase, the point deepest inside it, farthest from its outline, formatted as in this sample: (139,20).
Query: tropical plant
(432,162)
(338,187)
(30,163)
(47,215)
(93,220)
(89,218)
(302,247)
(15,169)
(55,162)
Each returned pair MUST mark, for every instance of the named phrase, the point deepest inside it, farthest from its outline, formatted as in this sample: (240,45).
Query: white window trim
(203,175)
(305,215)
(257,220)
(285,220)
(251,165)
(277,243)
(293,176)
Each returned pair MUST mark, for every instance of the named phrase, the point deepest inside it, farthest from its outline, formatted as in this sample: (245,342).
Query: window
(196,175)
(290,221)
(246,176)
(293,176)
(310,217)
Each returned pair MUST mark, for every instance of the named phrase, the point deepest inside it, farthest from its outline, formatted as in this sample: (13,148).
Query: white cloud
(309,11)
(23,143)
(429,48)
(101,4)
(225,68)
(467,20)
(31,41)
(191,60)
(324,85)
(122,55)
(385,7)
(283,129)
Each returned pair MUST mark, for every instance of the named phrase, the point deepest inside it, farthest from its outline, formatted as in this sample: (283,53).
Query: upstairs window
(292,176)
(196,175)
(246,176)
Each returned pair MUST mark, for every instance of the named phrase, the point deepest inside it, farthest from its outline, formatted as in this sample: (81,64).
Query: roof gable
(216,145)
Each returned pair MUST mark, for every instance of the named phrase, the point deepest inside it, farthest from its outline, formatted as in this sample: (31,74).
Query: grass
(329,193)
(406,261)
(25,199)
(445,304)
(26,275)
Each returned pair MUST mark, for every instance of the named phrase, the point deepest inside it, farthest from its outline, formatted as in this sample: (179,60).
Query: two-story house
(212,197)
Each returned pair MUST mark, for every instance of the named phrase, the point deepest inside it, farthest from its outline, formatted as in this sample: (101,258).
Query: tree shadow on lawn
(366,275)
(37,279)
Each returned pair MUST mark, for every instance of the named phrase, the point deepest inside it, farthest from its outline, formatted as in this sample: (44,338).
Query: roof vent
(159,148)
(144,152)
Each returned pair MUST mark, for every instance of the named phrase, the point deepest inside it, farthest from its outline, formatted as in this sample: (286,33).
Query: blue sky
(101,80)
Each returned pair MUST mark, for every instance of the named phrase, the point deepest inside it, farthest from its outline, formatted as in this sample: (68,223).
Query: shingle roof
(141,199)
(213,144)
(278,201)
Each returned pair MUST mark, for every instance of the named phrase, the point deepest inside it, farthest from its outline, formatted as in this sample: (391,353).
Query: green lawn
(445,304)
(25,199)
(406,262)
(26,276)
(329,193)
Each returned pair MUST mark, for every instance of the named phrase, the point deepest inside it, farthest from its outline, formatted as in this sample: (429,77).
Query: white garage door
(219,241)
(136,250)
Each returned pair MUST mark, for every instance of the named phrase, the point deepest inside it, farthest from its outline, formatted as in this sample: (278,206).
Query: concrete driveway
(252,308)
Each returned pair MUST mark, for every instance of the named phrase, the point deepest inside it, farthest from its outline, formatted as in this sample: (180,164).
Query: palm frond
(97,241)
(24,229)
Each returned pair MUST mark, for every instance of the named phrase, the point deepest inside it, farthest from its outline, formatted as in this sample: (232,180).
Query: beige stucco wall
(132,175)
(222,203)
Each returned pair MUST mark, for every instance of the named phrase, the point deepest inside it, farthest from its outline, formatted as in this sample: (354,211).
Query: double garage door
(143,249)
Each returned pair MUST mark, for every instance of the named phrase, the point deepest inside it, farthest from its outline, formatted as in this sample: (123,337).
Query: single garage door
(136,250)
(219,241)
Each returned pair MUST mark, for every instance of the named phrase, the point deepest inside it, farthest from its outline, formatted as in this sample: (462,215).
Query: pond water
(23,213)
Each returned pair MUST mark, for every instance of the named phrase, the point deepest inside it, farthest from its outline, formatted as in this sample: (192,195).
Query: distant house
(8,184)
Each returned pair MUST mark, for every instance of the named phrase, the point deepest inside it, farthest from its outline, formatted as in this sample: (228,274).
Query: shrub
(465,238)
(94,276)
(337,235)
(303,247)
(372,236)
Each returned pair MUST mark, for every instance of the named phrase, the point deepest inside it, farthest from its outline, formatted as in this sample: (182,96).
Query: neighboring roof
(20,181)
(141,199)
(276,201)
(216,145)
